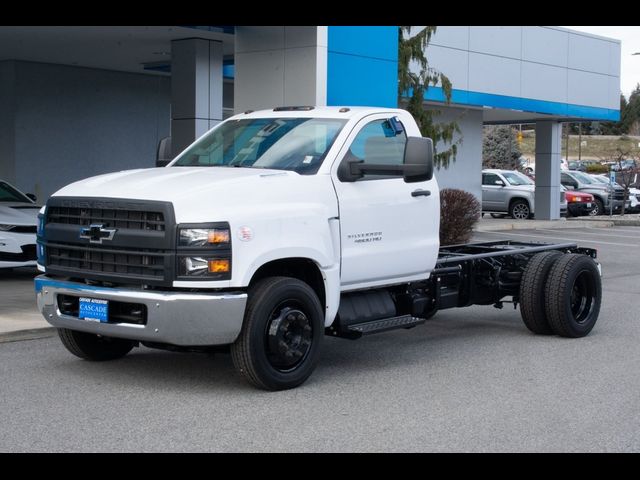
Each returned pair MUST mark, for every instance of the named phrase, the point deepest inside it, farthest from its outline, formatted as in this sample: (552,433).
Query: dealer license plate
(94,309)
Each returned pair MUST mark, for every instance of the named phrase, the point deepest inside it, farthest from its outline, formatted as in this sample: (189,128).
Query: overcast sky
(630,64)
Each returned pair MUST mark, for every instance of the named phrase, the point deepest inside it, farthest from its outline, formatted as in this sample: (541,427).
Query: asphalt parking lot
(470,380)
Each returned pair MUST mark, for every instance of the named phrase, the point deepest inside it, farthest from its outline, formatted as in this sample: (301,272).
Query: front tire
(573,295)
(279,345)
(519,210)
(599,208)
(89,346)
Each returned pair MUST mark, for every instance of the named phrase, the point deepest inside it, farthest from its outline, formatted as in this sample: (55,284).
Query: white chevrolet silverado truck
(275,229)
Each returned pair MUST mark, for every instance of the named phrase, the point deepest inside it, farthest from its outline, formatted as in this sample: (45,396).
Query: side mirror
(32,197)
(418,159)
(417,165)
(499,182)
(163,154)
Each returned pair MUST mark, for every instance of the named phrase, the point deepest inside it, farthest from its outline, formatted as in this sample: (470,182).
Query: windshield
(583,177)
(10,194)
(296,144)
(517,178)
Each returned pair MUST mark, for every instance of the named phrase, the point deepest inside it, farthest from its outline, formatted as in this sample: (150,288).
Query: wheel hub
(288,338)
(521,211)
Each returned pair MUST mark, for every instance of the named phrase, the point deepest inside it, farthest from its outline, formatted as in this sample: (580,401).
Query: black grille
(110,217)
(618,195)
(139,264)
(139,250)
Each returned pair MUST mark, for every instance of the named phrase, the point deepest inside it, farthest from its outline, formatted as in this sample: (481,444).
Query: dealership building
(81,101)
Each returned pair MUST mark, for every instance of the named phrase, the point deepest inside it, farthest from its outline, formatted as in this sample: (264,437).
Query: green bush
(597,168)
(459,212)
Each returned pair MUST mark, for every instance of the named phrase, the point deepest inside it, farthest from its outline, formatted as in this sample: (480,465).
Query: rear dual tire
(560,294)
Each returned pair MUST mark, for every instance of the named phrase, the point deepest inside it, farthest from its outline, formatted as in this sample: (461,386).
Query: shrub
(459,212)
(597,168)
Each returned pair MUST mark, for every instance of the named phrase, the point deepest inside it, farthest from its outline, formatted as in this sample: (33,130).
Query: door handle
(421,193)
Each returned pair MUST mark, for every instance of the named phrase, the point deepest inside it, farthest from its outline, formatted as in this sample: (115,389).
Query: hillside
(594,147)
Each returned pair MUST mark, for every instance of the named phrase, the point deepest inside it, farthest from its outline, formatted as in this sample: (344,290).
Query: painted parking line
(637,237)
(599,242)
(635,230)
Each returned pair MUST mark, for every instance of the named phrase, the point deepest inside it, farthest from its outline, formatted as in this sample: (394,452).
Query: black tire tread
(532,292)
(600,204)
(555,293)
(241,354)
(82,345)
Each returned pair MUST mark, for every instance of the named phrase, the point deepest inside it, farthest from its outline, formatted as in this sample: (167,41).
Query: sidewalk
(21,320)
(19,315)
(489,224)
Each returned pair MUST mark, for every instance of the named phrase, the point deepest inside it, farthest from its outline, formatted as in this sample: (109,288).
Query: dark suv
(601,192)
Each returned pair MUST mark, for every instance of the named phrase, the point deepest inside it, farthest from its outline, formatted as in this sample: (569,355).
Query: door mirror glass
(418,159)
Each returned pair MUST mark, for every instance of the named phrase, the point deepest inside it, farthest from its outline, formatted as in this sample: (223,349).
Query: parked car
(578,203)
(509,192)
(18,221)
(634,193)
(602,193)
(575,165)
(624,165)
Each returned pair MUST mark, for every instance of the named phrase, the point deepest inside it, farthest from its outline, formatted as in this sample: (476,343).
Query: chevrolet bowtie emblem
(96,233)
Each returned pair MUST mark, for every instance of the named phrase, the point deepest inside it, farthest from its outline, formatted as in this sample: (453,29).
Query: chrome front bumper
(186,319)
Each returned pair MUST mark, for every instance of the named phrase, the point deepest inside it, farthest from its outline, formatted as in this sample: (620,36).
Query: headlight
(204,251)
(203,237)
(5,227)
(204,266)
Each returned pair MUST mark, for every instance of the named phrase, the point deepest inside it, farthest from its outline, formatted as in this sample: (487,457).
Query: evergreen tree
(630,118)
(500,148)
(414,78)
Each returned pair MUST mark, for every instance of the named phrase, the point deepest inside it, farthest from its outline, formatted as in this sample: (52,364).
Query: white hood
(22,214)
(204,192)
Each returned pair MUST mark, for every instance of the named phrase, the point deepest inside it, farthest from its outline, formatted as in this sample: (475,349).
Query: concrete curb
(502,225)
(31,334)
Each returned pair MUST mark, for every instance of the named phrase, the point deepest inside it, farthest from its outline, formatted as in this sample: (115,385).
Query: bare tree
(625,176)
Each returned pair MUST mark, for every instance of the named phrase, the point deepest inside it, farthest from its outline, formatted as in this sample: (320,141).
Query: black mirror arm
(358,168)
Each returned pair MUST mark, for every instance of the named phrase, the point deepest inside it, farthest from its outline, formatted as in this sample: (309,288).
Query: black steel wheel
(573,295)
(279,345)
(519,210)
(89,346)
(288,336)
(532,292)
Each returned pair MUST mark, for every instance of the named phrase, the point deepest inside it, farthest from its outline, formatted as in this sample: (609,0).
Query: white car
(18,223)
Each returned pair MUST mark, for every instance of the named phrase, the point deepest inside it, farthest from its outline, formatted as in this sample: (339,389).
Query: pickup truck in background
(275,229)
(605,197)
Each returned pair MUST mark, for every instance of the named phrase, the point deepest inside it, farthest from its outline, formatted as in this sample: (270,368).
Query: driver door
(387,232)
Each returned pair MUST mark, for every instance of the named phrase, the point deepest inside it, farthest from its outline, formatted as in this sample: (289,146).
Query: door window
(379,143)
(490,179)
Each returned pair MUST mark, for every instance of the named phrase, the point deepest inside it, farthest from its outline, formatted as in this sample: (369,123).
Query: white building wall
(541,63)
(465,173)
(277,66)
